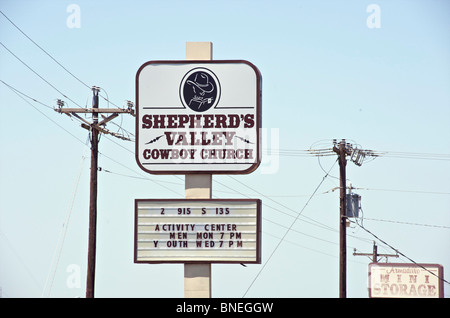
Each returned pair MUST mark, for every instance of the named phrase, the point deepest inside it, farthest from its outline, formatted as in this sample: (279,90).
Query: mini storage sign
(198,117)
(400,280)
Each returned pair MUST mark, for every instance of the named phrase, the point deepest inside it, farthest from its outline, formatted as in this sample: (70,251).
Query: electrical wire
(125,166)
(296,213)
(297,152)
(409,223)
(297,231)
(302,246)
(234,190)
(284,236)
(76,117)
(322,148)
(264,218)
(48,54)
(273,222)
(397,251)
(312,221)
(407,191)
(21,93)
(40,76)
(370,154)
(19,258)
(56,61)
(413,155)
(63,231)
(18,94)
(305,218)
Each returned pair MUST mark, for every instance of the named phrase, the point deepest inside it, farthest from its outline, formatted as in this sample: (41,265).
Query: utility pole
(342,153)
(95,128)
(90,280)
(357,156)
(374,254)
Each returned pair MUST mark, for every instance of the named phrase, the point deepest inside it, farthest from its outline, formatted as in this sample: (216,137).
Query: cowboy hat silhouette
(201,81)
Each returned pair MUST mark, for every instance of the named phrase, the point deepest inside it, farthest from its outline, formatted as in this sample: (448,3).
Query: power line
(297,152)
(64,231)
(373,153)
(15,90)
(18,94)
(95,132)
(397,251)
(40,76)
(316,223)
(279,243)
(310,152)
(374,254)
(305,247)
(267,197)
(234,190)
(409,223)
(48,54)
(19,258)
(413,155)
(407,191)
(266,219)
(322,148)
(294,230)
(273,222)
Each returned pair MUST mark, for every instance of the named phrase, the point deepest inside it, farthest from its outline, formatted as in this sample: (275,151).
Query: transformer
(353,205)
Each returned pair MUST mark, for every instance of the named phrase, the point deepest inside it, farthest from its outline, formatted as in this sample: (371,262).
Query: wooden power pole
(342,153)
(375,254)
(90,280)
(344,149)
(95,128)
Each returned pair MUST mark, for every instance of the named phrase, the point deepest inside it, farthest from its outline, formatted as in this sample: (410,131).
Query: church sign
(198,117)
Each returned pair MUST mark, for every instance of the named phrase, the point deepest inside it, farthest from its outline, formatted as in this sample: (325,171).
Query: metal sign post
(197,277)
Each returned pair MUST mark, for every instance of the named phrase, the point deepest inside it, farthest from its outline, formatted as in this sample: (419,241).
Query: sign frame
(258,242)
(421,266)
(208,170)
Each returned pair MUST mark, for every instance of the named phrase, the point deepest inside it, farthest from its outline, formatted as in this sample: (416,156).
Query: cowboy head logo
(200,90)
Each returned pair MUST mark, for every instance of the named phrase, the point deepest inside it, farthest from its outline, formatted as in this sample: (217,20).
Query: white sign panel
(198,116)
(197,230)
(389,280)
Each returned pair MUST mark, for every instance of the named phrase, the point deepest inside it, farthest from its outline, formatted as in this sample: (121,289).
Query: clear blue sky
(326,74)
